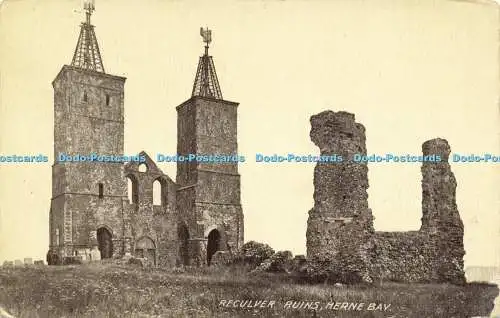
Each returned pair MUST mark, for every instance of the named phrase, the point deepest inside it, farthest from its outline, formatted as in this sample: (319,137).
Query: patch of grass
(113,290)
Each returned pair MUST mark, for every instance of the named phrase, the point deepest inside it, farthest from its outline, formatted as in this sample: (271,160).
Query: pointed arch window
(132,189)
(159,192)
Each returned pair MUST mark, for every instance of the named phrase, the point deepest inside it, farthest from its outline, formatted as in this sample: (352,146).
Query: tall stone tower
(208,198)
(87,197)
(340,226)
(441,222)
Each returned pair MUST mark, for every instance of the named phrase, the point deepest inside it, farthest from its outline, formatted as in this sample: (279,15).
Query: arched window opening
(132,189)
(85,98)
(143,167)
(159,192)
(108,99)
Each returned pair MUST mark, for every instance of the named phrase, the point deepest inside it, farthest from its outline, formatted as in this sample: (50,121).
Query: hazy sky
(410,70)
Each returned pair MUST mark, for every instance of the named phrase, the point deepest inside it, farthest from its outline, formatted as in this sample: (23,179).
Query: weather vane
(207,35)
(89,6)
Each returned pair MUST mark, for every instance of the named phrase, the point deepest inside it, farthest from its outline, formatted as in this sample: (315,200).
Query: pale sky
(410,71)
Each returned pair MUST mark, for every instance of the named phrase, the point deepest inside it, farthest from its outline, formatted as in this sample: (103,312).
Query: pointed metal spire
(206,83)
(87,55)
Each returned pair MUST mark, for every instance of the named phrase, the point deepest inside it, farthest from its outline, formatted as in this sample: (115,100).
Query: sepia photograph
(249,158)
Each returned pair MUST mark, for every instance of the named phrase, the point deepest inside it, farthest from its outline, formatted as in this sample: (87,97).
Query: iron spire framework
(87,55)
(206,83)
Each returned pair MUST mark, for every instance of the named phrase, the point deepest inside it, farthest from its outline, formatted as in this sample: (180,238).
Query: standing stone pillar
(340,226)
(440,217)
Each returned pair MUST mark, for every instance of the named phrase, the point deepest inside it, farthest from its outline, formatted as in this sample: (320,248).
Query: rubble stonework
(435,252)
(441,220)
(340,226)
(341,240)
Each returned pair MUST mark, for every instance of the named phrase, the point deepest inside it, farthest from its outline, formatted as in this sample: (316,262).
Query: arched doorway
(104,239)
(213,244)
(183,236)
(145,248)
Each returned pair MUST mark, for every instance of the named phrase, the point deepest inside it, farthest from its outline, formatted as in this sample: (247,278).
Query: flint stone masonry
(340,226)
(341,240)
(435,253)
(148,221)
(403,257)
(208,199)
(441,220)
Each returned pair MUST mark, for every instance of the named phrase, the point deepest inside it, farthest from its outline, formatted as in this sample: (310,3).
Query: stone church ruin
(101,210)
(340,235)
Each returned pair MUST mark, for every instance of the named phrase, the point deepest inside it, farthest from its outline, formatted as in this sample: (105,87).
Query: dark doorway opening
(104,239)
(213,244)
(183,235)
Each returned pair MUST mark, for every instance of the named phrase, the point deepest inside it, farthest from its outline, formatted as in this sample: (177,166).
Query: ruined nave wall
(340,232)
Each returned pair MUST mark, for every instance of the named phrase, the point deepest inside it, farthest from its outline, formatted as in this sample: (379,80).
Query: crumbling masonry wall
(435,253)
(404,257)
(340,234)
(340,226)
(150,220)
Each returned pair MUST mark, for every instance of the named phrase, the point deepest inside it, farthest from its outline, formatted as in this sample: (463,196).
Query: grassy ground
(111,290)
